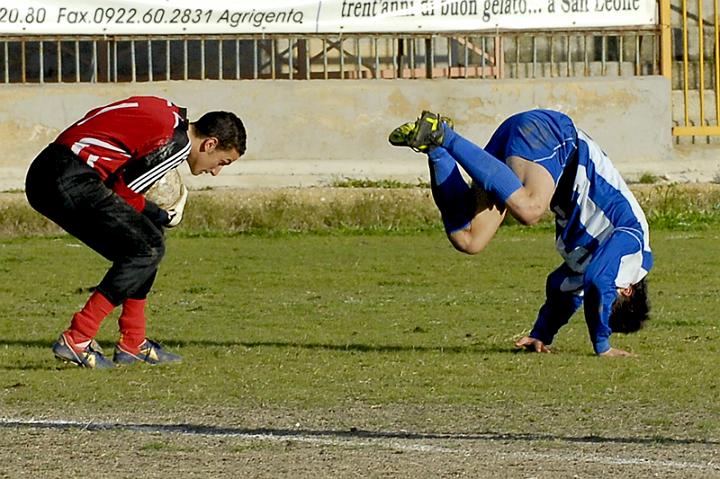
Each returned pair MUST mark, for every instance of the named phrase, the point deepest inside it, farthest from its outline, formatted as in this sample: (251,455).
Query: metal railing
(81,59)
(698,69)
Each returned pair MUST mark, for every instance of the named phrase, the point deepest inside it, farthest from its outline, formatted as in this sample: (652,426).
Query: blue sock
(451,193)
(486,170)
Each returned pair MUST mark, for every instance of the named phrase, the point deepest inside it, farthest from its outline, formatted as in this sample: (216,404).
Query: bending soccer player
(535,161)
(91,180)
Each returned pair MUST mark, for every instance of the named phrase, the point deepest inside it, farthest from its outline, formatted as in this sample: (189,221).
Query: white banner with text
(193,17)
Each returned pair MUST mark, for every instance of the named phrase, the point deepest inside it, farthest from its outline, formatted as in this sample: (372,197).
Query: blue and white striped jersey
(601,231)
(591,199)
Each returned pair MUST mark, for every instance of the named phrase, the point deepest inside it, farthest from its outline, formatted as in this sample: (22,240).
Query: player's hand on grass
(175,211)
(616,353)
(532,344)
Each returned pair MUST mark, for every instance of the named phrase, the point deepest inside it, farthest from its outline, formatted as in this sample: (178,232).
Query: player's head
(630,310)
(218,139)
(226,127)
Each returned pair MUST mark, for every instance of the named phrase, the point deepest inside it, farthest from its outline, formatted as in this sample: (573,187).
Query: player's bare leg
(471,216)
(477,235)
(524,187)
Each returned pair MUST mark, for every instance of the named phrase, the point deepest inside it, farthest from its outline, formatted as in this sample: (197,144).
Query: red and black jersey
(131,143)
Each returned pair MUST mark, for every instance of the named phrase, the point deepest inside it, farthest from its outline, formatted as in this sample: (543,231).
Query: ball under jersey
(131,143)
(591,200)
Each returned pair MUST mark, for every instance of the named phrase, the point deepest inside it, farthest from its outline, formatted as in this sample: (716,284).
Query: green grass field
(305,321)
(393,335)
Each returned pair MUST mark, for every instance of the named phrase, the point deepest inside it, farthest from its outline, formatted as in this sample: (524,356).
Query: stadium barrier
(496,55)
(299,132)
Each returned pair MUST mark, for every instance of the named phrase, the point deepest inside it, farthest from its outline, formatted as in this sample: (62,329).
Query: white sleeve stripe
(555,150)
(637,235)
(146,180)
(151,176)
(88,141)
(157,174)
(77,148)
(109,108)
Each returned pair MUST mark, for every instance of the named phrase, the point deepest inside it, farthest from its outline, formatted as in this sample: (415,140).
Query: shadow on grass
(310,434)
(352,347)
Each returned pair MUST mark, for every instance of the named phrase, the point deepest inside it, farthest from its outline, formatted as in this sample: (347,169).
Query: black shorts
(63,188)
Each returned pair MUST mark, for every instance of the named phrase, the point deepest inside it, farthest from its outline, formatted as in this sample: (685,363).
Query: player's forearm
(554,314)
(156,214)
(544,331)
(601,346)
(597,317)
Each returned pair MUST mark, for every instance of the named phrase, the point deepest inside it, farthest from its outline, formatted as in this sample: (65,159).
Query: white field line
(614,461)
(340,439)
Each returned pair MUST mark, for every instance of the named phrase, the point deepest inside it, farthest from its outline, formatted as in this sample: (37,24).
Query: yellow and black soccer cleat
(423,134)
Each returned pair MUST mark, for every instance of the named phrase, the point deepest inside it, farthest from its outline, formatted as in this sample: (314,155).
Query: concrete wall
(309,132)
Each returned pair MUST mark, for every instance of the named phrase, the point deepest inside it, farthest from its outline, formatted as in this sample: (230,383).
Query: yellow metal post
(698,127)
(701,60)
(717,63)
(686,59)
(665,40)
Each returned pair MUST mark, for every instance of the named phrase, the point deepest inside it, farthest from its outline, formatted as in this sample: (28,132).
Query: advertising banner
(192,17)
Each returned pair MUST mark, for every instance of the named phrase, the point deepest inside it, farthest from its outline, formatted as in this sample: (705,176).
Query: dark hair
(226,127)
(629,313)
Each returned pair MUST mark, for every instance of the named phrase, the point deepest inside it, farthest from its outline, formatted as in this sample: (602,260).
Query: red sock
(132,325)
(86,322)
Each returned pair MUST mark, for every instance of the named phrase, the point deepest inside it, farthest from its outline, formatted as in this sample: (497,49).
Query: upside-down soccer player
(537,160)
(91,180)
